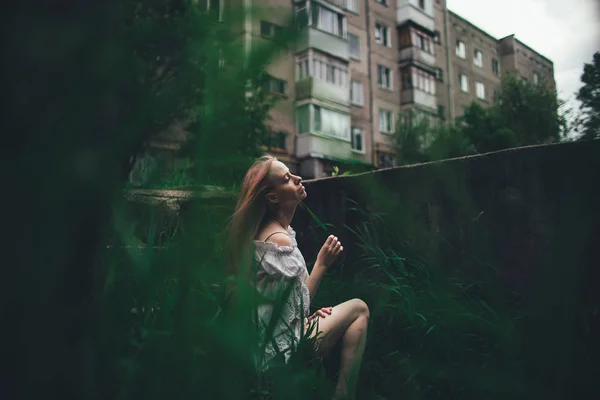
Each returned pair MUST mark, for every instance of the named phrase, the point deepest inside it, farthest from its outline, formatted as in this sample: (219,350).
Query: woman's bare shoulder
(274,233)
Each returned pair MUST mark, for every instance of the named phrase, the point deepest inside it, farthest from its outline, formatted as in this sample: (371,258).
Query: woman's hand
(323,312)
(330,251)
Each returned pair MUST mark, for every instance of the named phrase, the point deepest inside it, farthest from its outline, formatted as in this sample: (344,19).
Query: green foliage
(485,128)
(336,172)
(522,114)
(418,140)
(529,110)
(449,141)
(411,138)
(589,96)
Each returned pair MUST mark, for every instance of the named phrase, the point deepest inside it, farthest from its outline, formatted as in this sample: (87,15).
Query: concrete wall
(532,215)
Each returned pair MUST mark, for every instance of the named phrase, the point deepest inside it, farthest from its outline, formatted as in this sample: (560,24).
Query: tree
(411,138)
(486,130)
(529,110)
(589,96)
(419,140)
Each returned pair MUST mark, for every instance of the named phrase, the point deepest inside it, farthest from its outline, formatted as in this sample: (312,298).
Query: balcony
(415,96)
(406,11)
(341,4)
(416,54)
(319,89)
(315,145)
(326,42)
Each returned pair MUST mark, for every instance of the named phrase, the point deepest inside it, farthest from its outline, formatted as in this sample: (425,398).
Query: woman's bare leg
(348,321)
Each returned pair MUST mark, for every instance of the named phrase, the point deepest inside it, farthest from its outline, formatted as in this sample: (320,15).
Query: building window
(384,77)
(356,93)
(416,78)
(478,58)
(423,81)
(354,44)
(480,90)
(331,123)
(495,67)
(327,20)
(406,79)
(384,2)
(385,121)
(358,140)
(496,97)
(384,160)
(275,141)
(301,11)
(442,112)
(302,70)
(277,86)
(382,35)
(270,30)
(437,37)
(303,119)
(329,70)
(461,49)
(464,83)
(352,5)
(422,40)
(439,74)
(422,4)
(536,78)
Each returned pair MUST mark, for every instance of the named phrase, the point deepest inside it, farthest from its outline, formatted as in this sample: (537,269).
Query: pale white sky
(565,31)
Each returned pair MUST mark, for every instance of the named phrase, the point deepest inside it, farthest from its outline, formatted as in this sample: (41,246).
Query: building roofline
(473,25)
(529,48)
(499,40)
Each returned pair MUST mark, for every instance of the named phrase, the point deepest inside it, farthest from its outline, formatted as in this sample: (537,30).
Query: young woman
(260,229)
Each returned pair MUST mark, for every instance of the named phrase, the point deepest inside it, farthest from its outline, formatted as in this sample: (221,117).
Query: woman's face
(287,187)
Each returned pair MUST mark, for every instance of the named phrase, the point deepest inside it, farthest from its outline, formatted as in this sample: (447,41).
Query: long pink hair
(251,212)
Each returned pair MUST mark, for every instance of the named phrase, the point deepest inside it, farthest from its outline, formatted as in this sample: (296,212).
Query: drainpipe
(369,76)
(247,31)
(449,73)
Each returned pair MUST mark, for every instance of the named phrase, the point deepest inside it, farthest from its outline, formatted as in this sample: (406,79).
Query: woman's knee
(361,308)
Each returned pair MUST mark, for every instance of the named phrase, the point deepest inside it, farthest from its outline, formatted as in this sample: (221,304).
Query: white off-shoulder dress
(278,266)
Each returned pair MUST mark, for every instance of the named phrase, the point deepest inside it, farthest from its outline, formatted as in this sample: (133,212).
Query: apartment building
(360,66)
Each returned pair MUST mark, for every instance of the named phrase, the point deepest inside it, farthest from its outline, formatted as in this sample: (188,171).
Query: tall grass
(431,335)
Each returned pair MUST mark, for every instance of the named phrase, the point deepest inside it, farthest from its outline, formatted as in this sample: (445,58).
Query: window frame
(478,61)
(384,34)
(390,80)
(496,67)
(385,155)
(361,103)
(480,85)
(273,81)
(355,2)
(460,76)
(461,54)
(274,29)
(354,56)
(361,131)
(313,127)
(276,136)
(340,21)
(389,121)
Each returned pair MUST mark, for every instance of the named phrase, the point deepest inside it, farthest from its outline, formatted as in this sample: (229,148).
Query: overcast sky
(565,31)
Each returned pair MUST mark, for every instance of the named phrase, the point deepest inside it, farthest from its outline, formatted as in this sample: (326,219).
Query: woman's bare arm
(330,251)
